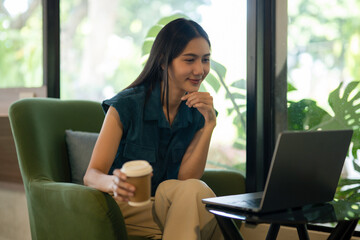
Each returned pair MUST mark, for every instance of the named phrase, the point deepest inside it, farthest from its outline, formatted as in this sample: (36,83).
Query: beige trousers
(175,213)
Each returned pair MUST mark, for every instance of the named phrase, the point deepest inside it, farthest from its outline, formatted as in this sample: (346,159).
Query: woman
(162,118)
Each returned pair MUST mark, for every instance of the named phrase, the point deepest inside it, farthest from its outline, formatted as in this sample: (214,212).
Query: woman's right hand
(121,189)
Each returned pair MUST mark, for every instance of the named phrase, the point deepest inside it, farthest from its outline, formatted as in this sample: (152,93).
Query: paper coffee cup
(138,174)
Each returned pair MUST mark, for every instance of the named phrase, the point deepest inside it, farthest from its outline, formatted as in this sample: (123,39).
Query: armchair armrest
(224,182)
(82,212)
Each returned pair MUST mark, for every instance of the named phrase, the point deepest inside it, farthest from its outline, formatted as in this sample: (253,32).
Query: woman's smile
(195,81)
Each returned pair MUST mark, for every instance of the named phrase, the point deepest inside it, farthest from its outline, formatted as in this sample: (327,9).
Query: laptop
(305,169)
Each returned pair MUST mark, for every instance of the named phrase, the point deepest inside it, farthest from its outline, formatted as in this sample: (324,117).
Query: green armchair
(58,208)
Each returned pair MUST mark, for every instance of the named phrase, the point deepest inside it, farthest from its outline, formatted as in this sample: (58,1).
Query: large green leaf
(346,107)
(305,115)
(240,84)
(202,88)
(146,47)
(290,87)
(219,69)
(153,32)
(348,189)
(345,182)
(213,81)
(236,95)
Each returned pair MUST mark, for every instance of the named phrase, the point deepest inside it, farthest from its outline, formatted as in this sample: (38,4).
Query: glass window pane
(101,53)
(21,43)
(324,70)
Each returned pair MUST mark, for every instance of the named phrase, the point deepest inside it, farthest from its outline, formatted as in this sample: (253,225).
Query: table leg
(343,230)
(302,232)
(228,228)
(273,231)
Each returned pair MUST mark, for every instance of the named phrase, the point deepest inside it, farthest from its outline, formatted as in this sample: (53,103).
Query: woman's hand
(203,102)
(121,189)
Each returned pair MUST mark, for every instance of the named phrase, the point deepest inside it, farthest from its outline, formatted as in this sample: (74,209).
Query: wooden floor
(14,222)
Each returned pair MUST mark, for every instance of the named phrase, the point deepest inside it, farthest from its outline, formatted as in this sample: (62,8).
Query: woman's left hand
(203,102)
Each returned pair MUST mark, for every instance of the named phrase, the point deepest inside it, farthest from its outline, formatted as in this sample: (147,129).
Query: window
(101,43)
(324,74)
(20,43)
(21,51)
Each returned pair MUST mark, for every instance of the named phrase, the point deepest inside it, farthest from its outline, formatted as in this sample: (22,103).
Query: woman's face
(188,70)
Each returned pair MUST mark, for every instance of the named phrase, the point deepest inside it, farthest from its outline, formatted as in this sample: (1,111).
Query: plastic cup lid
(136,168)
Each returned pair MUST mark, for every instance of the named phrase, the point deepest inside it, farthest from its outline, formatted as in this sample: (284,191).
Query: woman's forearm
(104,153)
(194,160)
(98,180)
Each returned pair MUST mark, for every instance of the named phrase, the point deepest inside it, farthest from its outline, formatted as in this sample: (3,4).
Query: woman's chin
(193,88)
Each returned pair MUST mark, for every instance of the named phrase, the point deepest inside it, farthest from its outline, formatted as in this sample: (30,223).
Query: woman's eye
(189,60)
(206,60)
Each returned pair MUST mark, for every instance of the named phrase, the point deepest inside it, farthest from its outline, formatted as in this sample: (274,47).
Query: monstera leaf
(346,108)
(305,114)
(348,189)
(345,104)
(347,111)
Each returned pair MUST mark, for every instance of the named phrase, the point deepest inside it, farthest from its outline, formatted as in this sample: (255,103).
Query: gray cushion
(80,146)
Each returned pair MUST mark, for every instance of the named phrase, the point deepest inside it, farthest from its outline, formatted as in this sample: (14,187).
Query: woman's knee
(188,187)
(197,187)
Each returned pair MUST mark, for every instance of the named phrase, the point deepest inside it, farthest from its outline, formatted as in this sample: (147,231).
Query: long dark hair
(169,44)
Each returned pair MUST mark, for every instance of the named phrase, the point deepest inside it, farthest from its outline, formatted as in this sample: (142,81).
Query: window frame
(266,86)
(51,47)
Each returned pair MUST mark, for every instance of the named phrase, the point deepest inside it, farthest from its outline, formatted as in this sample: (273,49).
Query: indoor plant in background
(345,104)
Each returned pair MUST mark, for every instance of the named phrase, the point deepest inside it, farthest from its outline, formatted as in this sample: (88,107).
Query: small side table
(346,214)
